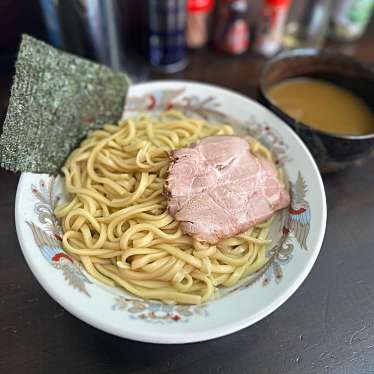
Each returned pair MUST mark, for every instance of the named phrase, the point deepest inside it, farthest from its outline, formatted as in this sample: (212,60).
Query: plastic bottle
(271,26)
(197,32)
(350,19)
(232,33)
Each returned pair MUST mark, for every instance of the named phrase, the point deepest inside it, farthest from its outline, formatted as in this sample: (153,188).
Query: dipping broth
(323,105)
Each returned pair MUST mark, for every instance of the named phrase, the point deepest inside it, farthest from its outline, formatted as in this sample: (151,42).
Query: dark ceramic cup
(331,151)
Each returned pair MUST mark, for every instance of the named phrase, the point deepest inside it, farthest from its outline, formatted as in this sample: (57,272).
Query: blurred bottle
(271,26)
(97,30)
(85,28)
(167,26)
(350,19)
(198,12)
(231,33)
(307,24)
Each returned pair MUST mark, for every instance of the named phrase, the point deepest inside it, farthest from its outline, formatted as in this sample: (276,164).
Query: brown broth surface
(323,105)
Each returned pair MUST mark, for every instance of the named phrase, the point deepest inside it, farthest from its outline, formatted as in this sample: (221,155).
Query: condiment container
(197,29)
(167,26)
(232,32)
(350,19)
(86,28)
(271,27)
(307,24)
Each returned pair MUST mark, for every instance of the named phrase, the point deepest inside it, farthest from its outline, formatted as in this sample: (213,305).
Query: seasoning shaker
(197,29)
(271,26)
(231,33)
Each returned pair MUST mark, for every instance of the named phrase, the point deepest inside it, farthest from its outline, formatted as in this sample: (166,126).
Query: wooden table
(326,327)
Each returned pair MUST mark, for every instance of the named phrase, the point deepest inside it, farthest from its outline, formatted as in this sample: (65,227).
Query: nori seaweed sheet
(56,99)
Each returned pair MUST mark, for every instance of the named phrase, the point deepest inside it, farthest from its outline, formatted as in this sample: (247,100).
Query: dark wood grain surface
(326,327)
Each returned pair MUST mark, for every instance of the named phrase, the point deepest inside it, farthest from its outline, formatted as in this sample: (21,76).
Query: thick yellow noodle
(117,225)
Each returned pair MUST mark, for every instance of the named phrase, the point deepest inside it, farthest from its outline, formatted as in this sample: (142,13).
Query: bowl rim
(176,338)
(310,52)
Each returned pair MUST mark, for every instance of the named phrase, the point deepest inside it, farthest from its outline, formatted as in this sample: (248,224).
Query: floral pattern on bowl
(158,312)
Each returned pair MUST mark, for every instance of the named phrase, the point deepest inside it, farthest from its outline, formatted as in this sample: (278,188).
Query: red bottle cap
(200,5)
(278,2)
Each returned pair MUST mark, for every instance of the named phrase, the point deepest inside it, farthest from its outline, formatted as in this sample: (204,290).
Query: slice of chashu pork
(217,188)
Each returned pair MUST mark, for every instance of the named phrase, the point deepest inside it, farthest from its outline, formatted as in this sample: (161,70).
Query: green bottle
(350,19)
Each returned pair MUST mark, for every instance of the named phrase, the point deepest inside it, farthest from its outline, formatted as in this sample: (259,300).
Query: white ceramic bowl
(297,234)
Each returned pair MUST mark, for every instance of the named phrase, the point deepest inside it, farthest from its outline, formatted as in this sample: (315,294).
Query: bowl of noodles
(100,240)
